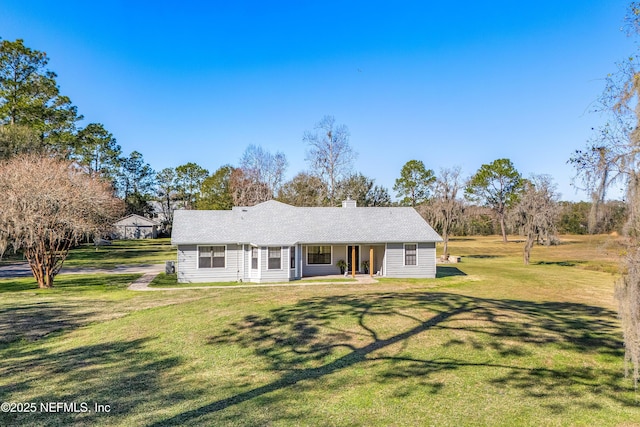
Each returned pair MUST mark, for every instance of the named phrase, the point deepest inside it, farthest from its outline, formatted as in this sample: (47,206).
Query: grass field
(489,342)
(120,252)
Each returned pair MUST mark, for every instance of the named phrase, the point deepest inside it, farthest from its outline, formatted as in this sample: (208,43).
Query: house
(274,242)
(135,227)
(160,212)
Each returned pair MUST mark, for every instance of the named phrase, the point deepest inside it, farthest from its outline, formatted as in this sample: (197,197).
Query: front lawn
(171,281)
(489,342)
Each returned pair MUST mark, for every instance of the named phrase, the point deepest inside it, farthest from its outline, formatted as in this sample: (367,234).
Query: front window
(275,258)
(254,258)
(410,254)
(211,257)
(318,254)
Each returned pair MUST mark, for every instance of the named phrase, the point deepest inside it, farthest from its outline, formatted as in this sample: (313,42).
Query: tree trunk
(46,262)
(503,227)
(445,251)
(44,280)
(48,280)
(527,249)
(445,237)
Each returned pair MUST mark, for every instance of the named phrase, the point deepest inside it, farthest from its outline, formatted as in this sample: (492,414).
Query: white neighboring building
(135,227)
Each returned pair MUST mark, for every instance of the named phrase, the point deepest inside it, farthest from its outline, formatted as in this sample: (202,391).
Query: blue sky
(449,83)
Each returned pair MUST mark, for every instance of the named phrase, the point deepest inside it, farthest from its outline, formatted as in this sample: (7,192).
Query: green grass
(122,252)
(28,313)
(164,280)
(598,253)
(71,283)
(489,342)
(171,281)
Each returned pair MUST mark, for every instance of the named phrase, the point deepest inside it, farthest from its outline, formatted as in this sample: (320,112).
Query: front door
(350,255)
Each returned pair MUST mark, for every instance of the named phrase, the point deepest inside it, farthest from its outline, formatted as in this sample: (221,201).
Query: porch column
(371,265)
(353,261)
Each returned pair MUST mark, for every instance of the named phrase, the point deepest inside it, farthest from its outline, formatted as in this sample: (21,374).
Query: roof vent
(349,203)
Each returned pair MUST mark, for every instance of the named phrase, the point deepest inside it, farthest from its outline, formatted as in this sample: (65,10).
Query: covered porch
(341,259)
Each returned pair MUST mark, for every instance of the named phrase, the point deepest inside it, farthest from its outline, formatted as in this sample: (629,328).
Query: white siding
(426,261)
(188,271)
(390,261)
(129,232)
(277,275)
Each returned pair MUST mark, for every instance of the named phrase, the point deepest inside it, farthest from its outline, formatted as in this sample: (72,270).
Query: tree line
(37,121)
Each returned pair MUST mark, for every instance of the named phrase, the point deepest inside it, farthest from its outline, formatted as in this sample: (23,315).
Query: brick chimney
(349,203)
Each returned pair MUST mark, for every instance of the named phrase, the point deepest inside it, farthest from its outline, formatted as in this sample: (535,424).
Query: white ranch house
(274,242)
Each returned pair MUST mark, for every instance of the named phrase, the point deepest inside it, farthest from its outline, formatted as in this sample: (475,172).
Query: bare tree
(476,220)
(628,288)
(47,206)
(246,191)
(330,155)
(445,207)
(619,158)
(536,213)
(264,168)
(602,164)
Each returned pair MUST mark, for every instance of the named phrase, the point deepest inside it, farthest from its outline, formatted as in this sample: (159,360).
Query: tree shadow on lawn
(303,342)
(568,263)
(30,320)
(444,271)
(125,375)
(484,256)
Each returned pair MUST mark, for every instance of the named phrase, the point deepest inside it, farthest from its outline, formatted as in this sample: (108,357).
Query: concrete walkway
(142,284)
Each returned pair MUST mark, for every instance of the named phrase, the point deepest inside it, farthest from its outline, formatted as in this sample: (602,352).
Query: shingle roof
(278,224)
